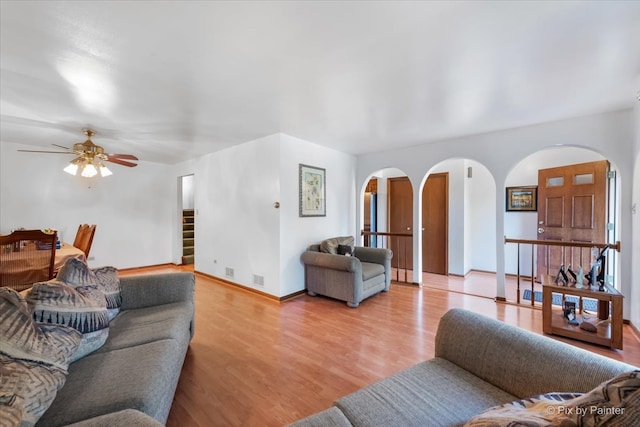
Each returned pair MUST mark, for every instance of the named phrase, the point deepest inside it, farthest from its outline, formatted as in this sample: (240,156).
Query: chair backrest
(87,240)
(82,229)
(27,257)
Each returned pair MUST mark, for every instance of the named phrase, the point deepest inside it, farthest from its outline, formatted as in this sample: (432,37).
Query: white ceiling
(168,81)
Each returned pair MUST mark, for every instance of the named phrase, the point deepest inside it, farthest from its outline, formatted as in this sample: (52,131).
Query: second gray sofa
(132,378)
(479,363)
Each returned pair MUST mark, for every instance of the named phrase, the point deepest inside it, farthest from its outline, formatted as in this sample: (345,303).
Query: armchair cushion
(330,246)
(371,270)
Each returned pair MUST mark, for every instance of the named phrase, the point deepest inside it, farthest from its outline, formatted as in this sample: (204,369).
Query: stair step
(188,259)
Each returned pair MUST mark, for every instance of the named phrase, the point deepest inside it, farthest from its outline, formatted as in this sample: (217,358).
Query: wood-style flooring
(257,362)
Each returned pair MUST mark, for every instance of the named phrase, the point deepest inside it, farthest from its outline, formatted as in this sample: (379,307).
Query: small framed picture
(312,191)
(522,199)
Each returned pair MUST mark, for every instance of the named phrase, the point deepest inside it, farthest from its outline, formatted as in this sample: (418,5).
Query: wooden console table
(609,331)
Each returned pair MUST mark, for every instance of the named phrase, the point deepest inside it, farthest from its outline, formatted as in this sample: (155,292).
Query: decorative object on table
(90,158)
(569,309)
(561,278)
(598,268)
(588,326)
(522,199)
(312,191)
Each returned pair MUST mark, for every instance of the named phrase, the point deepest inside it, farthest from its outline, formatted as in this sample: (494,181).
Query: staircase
(188,236)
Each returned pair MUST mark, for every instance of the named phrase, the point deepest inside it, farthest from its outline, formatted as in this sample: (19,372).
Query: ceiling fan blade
(61,146)
(120,162)
(49,152)
(123,156)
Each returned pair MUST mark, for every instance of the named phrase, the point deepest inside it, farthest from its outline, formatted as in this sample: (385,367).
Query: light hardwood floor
(256,362)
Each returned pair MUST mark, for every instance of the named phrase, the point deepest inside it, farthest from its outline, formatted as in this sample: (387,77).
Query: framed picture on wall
(312,191)
(522,199)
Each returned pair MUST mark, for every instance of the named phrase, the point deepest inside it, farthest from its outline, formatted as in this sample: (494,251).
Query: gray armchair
(347,278)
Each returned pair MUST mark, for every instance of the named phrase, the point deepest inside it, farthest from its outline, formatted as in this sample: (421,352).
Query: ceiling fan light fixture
(104,171)
(72,168)
(89,171)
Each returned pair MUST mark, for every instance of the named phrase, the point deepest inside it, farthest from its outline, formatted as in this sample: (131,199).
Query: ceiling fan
(90,157)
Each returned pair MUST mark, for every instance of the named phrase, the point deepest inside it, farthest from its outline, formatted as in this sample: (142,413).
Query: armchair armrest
(335,262)
(375,255)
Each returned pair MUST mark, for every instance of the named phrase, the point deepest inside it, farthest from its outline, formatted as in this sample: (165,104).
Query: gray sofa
(347,278)
(131,380)
(479,363)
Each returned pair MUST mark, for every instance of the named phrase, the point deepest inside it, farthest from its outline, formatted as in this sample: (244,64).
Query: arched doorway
(526,260)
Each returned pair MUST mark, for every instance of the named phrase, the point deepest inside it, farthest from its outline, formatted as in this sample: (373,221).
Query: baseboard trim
(252,290)
(501,299)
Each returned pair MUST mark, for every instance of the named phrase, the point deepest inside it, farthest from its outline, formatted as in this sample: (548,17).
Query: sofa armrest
(147,290)
(334,262)
(375,255)
(498,353)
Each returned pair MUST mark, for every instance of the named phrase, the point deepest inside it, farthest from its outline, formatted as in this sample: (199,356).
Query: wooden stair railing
(398,242)
(565,244)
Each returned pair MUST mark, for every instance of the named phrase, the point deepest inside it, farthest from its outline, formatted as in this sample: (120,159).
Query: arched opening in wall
(576,203)
(458,228)
(387,218)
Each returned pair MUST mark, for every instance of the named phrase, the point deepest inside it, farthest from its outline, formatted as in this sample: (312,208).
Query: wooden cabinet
(608,320)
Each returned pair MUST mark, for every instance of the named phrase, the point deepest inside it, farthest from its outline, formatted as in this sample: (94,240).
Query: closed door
(435,224)
(400,208)
(572,206)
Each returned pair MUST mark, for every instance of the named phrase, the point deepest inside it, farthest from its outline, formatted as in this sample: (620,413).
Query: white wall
(131,208)
(612,134)
(237,225)
(297,233)
(480,214)
(187,192)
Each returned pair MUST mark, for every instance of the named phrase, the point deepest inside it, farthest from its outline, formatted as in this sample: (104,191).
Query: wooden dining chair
(82,229)
(27,257)
(86,240)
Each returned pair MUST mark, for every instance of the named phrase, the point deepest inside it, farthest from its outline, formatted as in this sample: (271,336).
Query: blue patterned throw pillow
(77,273)
(83,308)
(33,361)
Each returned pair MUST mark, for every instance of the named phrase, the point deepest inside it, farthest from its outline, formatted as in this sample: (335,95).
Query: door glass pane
(556,181)
(585,178)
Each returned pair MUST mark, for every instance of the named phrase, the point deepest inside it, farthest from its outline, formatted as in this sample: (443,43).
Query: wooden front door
(435,224)
(572,206)
(400,207)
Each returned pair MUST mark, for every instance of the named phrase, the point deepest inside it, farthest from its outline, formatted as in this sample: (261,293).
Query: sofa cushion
(33,360)
(371,270)
(76,272)
(330,246)
(142,377)
(422,395)
(143,325)
(83,308)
